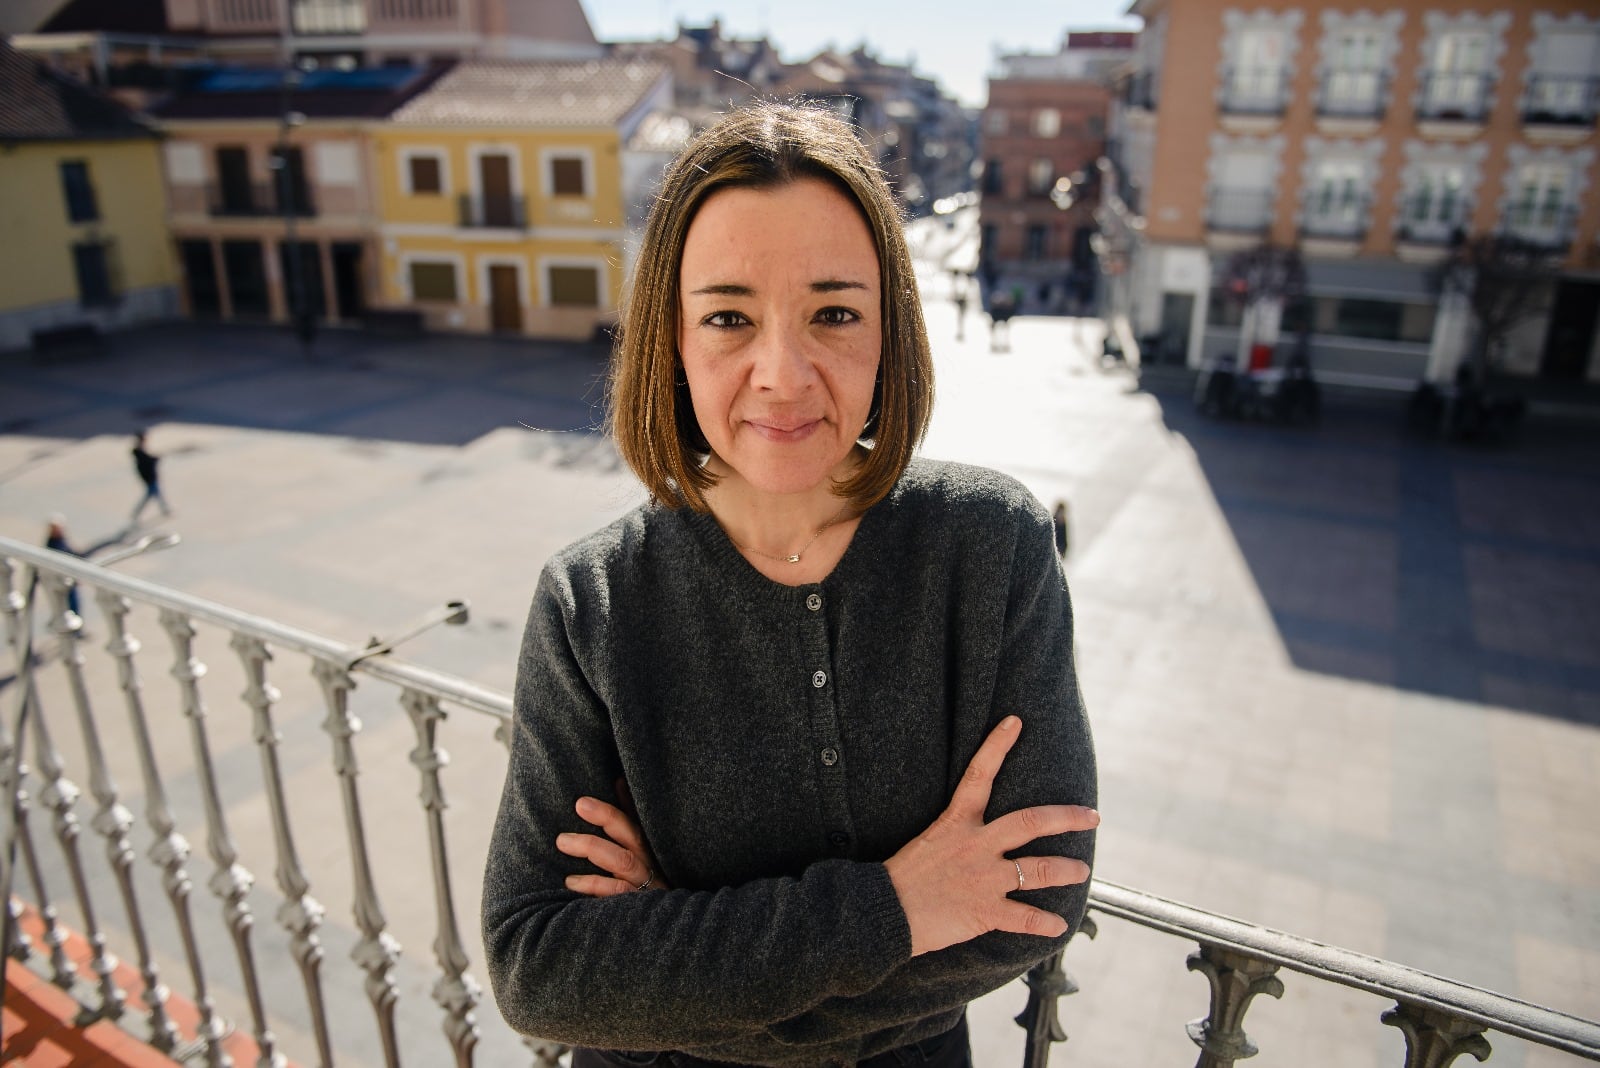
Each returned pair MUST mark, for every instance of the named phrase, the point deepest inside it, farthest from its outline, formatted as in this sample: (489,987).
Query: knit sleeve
(1052,763)
(663,969)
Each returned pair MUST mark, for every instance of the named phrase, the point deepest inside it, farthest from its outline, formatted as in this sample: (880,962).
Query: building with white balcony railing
(1372,139)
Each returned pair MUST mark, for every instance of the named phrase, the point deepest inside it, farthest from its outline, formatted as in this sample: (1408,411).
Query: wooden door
(505,299)
(494,176)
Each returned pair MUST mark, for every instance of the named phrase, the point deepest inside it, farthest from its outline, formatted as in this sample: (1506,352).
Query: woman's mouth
(785,431)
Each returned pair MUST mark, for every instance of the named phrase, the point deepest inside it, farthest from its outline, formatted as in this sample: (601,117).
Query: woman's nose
(781,362)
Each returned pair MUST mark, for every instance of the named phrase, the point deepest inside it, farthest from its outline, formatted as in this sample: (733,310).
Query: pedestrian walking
(145,463)
(1001,308)
(961,310)
(1059,518)
(55,537)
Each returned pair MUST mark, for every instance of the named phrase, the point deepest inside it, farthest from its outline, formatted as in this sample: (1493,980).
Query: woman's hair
(766,145)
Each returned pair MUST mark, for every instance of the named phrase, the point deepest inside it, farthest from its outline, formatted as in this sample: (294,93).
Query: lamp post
(300,316)
(454,613)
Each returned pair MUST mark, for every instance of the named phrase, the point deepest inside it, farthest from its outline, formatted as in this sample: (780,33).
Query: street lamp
(300,315)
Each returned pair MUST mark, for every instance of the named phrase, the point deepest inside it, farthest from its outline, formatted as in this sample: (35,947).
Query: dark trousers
(949,1050)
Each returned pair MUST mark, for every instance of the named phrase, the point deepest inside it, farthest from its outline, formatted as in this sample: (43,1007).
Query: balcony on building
(311,17)
(1560,108)
(1139,91)
(493,212)
(1454,104)
(1351,102)
(1239,211)
(1548,227)
(1334,223)
(1253,99)
(1429,226)
(257,200)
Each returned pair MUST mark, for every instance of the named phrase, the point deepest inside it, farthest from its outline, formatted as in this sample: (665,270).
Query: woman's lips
(784,432)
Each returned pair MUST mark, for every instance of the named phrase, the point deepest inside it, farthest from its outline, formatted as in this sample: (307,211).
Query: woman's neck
(795,538)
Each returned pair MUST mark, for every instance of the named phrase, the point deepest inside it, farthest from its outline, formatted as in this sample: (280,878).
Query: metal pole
(300,317)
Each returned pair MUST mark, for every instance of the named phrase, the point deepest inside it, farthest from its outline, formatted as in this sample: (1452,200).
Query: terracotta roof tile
(596,92)
(40,104)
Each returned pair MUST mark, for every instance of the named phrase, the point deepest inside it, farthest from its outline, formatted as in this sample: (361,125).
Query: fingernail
(571,882)
(564,840)
(1011,723)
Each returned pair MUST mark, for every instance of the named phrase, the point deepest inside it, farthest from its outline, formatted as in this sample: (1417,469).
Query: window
(1457,84)
(1436,204)
(433,280)
(993,181)
(1257,78)
(1561,86)
(79,192)
(566,176)
(89,261)
(1046,122)
(1038,239)
(425,174)
(575,287)
(1041,176)
(1353,81)
(994,121)
(1541,198)
(1335,198)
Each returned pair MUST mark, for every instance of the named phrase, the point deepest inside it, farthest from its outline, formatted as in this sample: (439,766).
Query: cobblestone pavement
(1344,683)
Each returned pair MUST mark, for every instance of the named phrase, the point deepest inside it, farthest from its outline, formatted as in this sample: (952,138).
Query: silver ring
(646,884)
(1019,872)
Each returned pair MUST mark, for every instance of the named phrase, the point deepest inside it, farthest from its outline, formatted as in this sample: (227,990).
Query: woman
(761,721)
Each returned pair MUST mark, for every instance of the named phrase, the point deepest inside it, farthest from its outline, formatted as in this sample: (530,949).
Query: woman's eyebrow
(835,285)
(734,289)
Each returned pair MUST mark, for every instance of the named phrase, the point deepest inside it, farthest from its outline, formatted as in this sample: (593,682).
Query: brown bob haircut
(765,145)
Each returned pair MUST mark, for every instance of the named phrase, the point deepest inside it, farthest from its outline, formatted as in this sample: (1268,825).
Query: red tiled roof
(40,104)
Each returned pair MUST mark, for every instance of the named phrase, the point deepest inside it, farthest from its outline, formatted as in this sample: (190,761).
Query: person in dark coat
(56,538)
(144,463)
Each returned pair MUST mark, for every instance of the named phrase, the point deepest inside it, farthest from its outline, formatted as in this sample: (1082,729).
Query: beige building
(1368,137)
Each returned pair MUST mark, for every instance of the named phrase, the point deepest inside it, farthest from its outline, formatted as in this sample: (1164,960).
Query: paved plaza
(1344,683)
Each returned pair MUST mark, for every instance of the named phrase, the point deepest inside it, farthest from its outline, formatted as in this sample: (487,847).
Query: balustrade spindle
(112,821)
(60,795)
(12,773)
(232,881)
(545,1054)
(1434,1039)
(1236,979)
(1047,982)
(376,952)
(456,992)
(169,850)
(300,914)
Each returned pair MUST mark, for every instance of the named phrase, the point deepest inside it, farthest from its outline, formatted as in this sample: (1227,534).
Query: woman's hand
(954,879)
(620,851)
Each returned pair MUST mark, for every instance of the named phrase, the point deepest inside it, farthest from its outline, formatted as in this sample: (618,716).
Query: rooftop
(595,92)
(40,104)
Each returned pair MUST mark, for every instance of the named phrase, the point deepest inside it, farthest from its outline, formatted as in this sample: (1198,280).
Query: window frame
(440,158)
(426,259)
(547,161)
(82,204)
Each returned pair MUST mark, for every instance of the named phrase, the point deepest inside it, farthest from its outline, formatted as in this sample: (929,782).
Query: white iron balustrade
(265,975)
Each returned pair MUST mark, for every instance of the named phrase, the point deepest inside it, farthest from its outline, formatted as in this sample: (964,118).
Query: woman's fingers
(1018,918)
(606,855)
(1040,872)
(619,852)
(617,824)
(971,795)
(598,886)
(1016,829)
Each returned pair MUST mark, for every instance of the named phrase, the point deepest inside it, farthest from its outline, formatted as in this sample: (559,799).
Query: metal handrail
(1344,967)
(458,691)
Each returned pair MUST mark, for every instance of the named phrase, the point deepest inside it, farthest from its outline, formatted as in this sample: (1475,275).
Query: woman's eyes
(831,316)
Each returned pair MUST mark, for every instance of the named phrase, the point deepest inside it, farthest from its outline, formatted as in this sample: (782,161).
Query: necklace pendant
(795,559)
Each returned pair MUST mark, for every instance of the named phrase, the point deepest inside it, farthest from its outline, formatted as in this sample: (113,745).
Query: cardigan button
(814,602)
(830,756)
(820,679)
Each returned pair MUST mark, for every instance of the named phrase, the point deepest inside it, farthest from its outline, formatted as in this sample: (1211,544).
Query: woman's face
(780,331)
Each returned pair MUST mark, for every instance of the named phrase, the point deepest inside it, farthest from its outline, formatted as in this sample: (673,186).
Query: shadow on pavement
(1465,572)
(431,389)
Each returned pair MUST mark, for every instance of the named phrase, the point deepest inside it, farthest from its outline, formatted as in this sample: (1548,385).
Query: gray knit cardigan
(779,742)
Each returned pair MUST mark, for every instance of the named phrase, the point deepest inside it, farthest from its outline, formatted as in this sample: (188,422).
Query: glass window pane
(566,176)
(425,176)
(575,287)
(433,281)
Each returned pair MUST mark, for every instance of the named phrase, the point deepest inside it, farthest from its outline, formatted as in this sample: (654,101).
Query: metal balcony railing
(1244,211)
(1452,95)
(251,787)
(1352,94)
(1424,221)
(257,199)
(1561,100)
(505,213)
(1328,215)
(1545,226)
(1255,90)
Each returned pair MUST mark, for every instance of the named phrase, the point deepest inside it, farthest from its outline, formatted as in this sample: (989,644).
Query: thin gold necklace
(794,557)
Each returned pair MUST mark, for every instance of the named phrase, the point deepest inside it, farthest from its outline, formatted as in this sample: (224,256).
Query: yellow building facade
(81,215)
(499,215)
